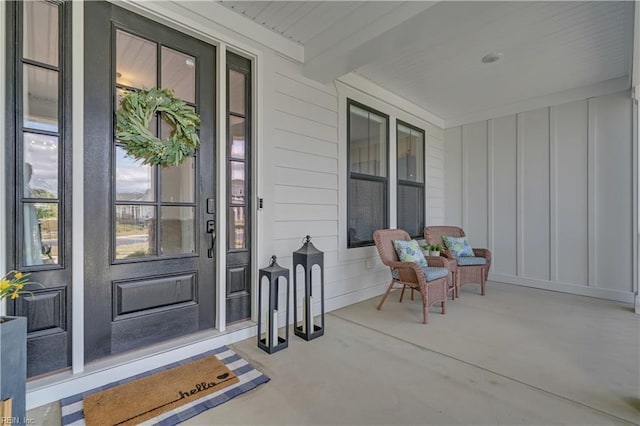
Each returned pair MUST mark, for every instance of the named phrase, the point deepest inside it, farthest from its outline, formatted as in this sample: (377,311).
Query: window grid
(39,248)
(411,215)
(367,194)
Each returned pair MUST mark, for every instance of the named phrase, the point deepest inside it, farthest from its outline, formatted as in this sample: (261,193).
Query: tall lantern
(308,256)
(272,342)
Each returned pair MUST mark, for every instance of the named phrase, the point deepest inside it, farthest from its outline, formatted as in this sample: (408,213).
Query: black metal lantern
(308,256)
(273,342)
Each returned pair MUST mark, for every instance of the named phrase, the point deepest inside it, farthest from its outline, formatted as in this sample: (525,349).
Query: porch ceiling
(430,52)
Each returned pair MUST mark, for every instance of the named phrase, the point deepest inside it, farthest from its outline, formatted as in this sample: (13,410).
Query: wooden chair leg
(385,296)
(444,306)
(482,283)
(402,293)
(412,294)
(425,307)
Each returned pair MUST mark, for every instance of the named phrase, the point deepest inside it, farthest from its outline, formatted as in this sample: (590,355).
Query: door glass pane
(237,182)
(178,182)
(134,181)
(40,97)
(178,236)
(135,61)
(236,92)
(40,227)
(40,170)
(236,238)
(40,33)
(237,128)
(410,155)
(135,231)
(179,74)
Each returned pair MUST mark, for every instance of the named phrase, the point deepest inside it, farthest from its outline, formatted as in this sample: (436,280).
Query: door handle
(211,230)
(212,245)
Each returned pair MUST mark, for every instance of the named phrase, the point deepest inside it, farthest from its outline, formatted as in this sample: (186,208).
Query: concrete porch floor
(515,356)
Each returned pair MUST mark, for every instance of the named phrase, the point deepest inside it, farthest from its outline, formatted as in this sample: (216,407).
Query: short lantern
(272,341)
(308,256)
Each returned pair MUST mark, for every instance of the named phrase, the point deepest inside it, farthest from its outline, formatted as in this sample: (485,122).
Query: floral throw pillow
(459,247)
(409,251)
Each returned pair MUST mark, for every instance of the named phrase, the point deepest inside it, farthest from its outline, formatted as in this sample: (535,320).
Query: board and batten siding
(301,171)
(549,191)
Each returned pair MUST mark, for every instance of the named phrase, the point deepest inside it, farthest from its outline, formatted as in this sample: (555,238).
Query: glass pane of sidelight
(135,231)
(236,237)
(40,97)
(236,92)
(178,230)
(40,32)
(178,182)
(237,183)
(40,170)
(134,180)
(410,154)
(40,228)
(135,61)
(236,130)
(179,74)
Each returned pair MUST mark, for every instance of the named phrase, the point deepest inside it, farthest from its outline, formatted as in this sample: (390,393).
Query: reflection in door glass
(237,182)
(40,97)
(177,228)
(135,231)
(134,180)
(236,228)
(40,32)
(135,61)
(179,74)
(236,130)
(40,244)
(178,182)
(40,156)
(236,92)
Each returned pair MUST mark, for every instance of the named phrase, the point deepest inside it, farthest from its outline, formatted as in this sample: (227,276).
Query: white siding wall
(549,191)
(303,186)
(435,177)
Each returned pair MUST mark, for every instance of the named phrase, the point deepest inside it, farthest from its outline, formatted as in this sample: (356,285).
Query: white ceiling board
(430,54)
(548,47)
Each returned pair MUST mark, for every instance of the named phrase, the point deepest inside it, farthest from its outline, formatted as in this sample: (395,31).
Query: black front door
(149,263)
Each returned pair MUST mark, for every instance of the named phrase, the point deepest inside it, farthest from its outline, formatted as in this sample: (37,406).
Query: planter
(434,253)
(13,365)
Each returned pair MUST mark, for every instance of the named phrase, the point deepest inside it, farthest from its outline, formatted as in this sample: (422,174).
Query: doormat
(182,392)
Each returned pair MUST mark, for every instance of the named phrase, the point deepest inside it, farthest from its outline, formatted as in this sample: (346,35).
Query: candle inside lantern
(304,317)
(310,325)
(274,328)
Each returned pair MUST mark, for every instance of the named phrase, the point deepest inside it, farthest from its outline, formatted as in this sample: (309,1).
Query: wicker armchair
(470,274)
(410,274)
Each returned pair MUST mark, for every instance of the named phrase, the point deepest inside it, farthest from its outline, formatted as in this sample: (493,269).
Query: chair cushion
(459,247)
(471,260)
(430,273)
(409,251)
(433,273)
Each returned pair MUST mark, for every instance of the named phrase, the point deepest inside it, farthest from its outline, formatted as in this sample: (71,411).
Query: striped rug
(249,379)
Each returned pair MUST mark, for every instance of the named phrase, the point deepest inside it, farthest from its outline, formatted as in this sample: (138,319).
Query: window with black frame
(410,157)
(367,152)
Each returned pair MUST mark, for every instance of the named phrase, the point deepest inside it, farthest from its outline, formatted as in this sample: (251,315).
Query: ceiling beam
(346,45)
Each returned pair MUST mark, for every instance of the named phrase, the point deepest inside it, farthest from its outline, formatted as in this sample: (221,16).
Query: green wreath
(132,127)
